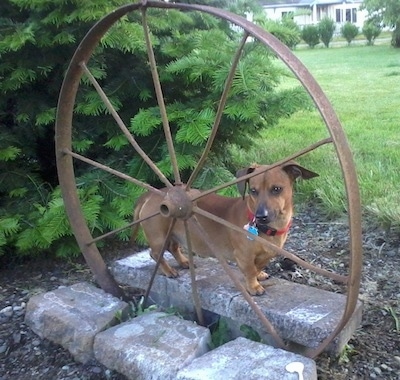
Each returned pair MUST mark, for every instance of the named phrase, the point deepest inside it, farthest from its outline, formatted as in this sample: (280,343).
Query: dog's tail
(136,212)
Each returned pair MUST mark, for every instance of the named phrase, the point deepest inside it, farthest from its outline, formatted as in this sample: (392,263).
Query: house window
(288,15)
(339,15)
(354,14)
(348,15)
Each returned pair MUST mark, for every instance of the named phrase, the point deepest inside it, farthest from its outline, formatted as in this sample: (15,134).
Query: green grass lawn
(363,85)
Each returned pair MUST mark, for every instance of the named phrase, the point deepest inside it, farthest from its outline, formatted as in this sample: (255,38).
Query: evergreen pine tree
(193,52)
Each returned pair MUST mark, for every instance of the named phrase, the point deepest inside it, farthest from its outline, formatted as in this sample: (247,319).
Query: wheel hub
(178,203)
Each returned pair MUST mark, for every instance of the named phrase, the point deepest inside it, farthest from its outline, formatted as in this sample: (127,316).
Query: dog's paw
(184,264)
(262,276)
(170,272)
(257,290)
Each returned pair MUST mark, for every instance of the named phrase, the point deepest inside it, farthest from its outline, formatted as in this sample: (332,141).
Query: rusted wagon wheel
(66,156)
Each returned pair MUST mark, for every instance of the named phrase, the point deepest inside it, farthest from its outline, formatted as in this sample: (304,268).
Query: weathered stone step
(71,316)
(152,346)
(161,346)
(301,314)
(244,359)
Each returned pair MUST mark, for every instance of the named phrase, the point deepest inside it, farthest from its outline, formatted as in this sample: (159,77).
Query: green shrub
(193,53)
(294,28)
(310,35)
(349,31)
(286,31)
(326,29)
(385,12)
(371,31)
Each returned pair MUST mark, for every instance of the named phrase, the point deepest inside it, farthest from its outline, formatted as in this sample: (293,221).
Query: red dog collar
(267,229)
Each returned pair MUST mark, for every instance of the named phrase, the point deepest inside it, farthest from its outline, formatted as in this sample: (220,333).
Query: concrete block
(245,359)
(301,314)
(151,346)
(72,316)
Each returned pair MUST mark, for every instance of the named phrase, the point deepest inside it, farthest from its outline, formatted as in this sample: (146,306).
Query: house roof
(286,3)
(275,3)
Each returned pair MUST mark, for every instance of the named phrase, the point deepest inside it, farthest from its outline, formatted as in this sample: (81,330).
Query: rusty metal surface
(64,152)
(195,293)
(124,129)
(160,100)
(277,163)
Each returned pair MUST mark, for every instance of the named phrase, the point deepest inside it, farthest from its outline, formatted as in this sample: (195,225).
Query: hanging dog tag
(253,230)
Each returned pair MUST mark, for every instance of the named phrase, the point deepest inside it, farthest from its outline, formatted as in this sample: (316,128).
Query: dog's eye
(253,191)
(276,190)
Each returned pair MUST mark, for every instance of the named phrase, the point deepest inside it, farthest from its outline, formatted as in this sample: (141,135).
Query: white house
(307,12)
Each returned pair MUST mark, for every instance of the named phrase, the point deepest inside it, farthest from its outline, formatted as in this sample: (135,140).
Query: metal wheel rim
(65,162)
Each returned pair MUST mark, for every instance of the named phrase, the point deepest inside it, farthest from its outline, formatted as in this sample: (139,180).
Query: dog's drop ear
(294,170)
(242,185)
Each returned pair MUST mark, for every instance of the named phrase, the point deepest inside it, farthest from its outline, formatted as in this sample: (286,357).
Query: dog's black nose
(262,219)
(262,215)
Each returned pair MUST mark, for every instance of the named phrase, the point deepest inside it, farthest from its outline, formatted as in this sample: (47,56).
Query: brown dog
(267,210)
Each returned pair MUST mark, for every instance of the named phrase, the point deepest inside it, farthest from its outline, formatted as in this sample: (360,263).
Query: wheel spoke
(195,293)
(160,100)
(160,257)
(264,320)
(112,171)
(123,127)
(113,232)
(218,116)
(272,247)
(278,163)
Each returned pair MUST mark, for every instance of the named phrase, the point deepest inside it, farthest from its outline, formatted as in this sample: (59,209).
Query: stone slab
(72,316)
(301,314)
(244,359)
(151,346)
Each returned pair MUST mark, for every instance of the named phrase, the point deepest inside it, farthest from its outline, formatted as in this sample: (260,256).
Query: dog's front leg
(175,249)
(248,268)
(262,275)
(166,269)
(261,262)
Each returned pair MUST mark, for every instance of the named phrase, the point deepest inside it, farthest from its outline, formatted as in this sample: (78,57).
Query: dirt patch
(373,352)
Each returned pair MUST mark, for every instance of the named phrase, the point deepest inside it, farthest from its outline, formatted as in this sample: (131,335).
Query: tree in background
(286,30)
(371,31)
(37,40)
(349,31)
(326,29)
(387,12)
(310,35)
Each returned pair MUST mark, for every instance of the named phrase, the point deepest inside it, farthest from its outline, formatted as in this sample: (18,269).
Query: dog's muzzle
(262,220)
(262,216)
(262,224)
